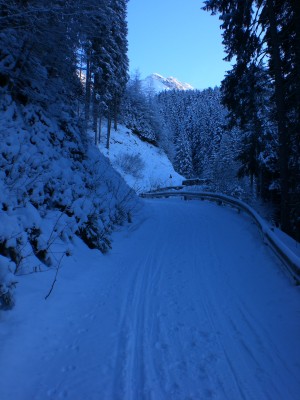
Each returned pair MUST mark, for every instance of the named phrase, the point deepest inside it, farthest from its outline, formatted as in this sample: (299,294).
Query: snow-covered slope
(54,185)
(157,83)
(142,165)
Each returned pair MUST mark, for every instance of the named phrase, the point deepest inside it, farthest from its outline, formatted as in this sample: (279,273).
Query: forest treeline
(202,137)
(260,95)
(64,52)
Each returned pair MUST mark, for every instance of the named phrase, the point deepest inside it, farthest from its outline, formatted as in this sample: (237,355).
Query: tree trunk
(116,115)
(281,118)
(87,91)
(95,107)
(95,128)
(80,79)
(296,178)
(99,127)
(296,9)
(95,118)
(108,130)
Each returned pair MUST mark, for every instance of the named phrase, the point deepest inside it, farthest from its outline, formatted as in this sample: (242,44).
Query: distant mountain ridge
(156,83)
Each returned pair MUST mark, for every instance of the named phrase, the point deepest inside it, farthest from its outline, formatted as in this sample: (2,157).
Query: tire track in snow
(230,385)
(187,347)
(138,326)
(220,323)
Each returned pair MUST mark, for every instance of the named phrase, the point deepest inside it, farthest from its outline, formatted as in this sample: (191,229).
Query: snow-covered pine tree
(120,58)
(138,112)
(200,117)
(183,156)
(105,45)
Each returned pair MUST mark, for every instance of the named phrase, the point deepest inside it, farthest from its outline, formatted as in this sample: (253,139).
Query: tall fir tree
(265,33)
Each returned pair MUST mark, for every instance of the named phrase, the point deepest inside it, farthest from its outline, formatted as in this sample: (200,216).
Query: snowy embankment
(54,185)
(142,165)
(188,304)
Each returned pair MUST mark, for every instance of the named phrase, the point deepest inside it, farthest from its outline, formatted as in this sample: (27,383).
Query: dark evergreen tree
(120,58)
(265,33)
(247,94)
(106,64)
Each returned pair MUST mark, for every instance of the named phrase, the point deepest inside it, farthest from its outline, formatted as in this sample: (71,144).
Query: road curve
(189,304)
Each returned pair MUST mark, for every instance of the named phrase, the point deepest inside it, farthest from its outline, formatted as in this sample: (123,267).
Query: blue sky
(176,38)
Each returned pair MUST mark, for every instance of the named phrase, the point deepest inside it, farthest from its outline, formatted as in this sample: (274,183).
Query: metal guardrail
(284,253)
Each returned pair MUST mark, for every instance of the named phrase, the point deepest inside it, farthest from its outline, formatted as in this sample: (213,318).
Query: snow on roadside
(53,185)
(288,241)
(157,170)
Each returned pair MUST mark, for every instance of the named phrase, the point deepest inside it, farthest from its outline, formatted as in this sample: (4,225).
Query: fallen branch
(55,277)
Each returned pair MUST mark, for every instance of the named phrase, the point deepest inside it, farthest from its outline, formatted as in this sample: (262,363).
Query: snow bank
(54,184)
(157,170)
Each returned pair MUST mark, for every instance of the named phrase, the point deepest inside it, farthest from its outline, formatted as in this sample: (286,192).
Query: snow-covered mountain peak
(156,83)
(156,75)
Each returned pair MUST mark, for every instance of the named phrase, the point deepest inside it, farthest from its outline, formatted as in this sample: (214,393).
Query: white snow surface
(156,83)
(158,170)
(189,304)
(274,236)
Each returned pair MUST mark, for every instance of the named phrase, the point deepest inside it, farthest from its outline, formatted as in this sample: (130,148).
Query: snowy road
(190,304)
